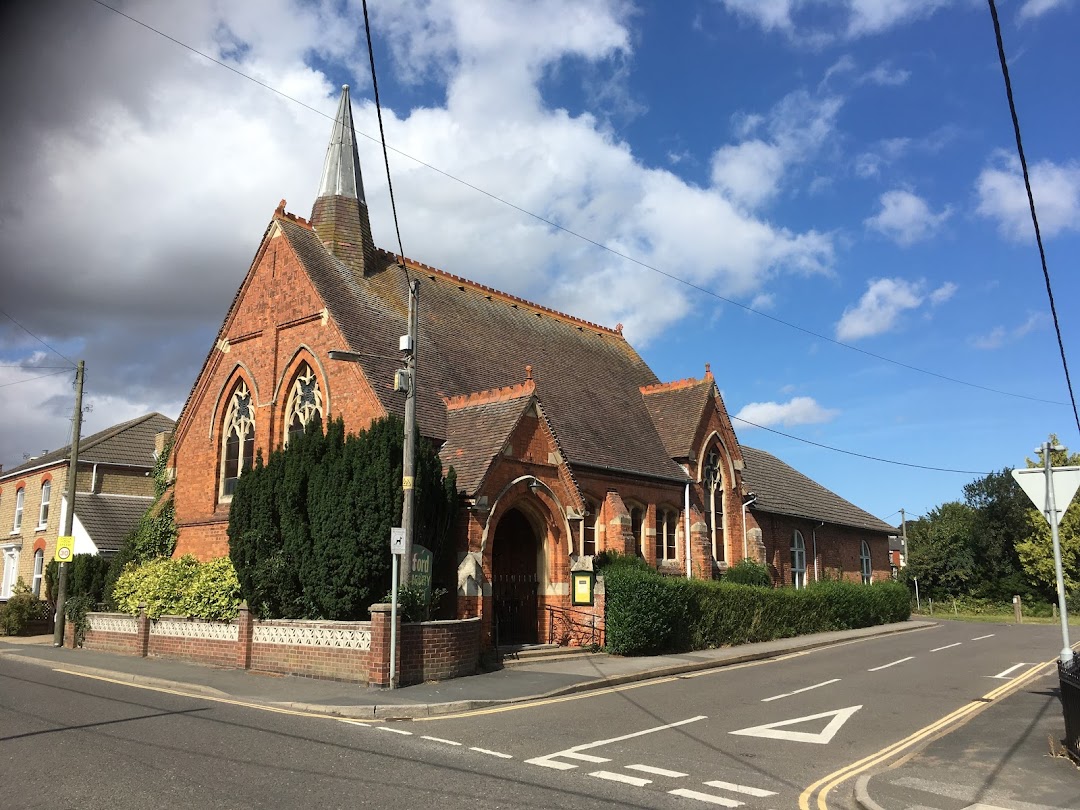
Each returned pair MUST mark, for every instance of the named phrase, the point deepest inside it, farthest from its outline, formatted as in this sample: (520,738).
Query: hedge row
(650,614)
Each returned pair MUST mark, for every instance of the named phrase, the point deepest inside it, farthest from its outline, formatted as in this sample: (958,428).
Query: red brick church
(564,441)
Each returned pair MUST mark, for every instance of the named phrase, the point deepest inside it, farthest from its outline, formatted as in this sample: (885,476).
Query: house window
(588,529)
(798,560)
(305,400)
(637,528)
(39,569)
(714,502)
(43,514)
(666,521)
(20,494)
(864,563)
(238,438)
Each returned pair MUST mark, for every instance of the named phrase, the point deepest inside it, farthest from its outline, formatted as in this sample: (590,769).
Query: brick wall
(313,649)
(838,549)
(438,651)
(194,640)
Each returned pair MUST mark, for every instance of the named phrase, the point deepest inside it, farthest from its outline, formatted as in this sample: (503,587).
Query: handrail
(595,623)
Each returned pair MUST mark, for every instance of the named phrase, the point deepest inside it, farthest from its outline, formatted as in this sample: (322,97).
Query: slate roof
(676,411)
(473,338)
(130,443)
(109,519)
(783,490)
(476,435)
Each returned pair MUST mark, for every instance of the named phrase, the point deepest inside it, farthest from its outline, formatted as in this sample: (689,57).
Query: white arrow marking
(546,761)
(774,730)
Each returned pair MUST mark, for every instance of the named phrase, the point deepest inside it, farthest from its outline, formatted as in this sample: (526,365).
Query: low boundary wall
(344,651)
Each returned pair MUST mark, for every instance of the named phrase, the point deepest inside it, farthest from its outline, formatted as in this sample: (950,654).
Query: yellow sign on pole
(65,549)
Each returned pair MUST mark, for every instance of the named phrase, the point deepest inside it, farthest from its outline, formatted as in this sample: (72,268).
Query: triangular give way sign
(1033,482)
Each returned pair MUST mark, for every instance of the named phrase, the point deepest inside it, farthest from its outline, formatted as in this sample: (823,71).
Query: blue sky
(844,166)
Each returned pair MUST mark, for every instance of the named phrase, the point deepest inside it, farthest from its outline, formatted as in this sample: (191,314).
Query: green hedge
(649,614)
(183,587)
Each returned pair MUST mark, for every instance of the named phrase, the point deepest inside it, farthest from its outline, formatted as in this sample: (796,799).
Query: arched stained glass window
(864,563)
(305,400)
(238,438)
(714,502)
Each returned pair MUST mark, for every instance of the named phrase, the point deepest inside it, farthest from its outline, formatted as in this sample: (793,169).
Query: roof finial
(528,372)
(708,370)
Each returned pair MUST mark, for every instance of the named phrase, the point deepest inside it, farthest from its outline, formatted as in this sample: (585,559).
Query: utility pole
(408,467)
(903,537)
(69,516)
(1052,515)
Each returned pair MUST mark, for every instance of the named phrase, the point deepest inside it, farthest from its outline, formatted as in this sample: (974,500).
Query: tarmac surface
(1008,757)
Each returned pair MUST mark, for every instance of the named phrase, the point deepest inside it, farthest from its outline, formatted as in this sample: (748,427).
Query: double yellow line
(823,786)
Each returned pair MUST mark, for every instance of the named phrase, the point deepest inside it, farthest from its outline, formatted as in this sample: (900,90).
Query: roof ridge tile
(490,395)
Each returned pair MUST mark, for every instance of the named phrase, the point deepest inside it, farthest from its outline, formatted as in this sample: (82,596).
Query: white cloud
(943,294)
(752,172)
(796,411)
(1000,335)
(906,218)
(816,23)
(884,75)
(1055,187)
(880,308)
(1036,8)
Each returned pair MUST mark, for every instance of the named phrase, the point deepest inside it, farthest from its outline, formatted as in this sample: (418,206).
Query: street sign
(421,570)
(1033,482)
(397,540)
(65,548)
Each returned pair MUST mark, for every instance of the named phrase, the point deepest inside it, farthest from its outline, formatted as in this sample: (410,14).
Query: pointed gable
(677,409)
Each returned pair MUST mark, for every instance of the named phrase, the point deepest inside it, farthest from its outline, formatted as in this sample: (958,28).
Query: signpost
(1046,488)
(397,548)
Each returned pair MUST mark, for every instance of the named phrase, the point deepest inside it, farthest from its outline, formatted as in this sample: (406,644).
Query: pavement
(975,767)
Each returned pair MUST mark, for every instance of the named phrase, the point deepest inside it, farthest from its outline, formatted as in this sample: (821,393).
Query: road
(761,735)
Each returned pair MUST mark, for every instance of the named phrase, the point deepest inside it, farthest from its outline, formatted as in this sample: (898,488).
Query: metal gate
(514,581)
(515,608)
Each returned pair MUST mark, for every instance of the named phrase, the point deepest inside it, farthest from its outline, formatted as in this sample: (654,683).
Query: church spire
(340,215)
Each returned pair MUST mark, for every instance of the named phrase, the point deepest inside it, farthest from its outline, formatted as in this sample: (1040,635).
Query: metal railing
(1069,677)
(567,625)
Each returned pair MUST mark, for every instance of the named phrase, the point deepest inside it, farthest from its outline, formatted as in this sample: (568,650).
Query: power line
(1031,203)
(582,237)
(36,377)
(859,455)
(39,340)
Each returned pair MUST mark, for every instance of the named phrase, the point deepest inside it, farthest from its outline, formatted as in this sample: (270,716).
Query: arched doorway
(514,580)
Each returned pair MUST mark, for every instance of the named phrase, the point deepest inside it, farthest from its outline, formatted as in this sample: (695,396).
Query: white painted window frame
(20,500)
(798,559)
(39,572)
(43,510)
(866,567)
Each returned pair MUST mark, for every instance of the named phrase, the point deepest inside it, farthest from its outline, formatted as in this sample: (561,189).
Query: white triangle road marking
(776,731)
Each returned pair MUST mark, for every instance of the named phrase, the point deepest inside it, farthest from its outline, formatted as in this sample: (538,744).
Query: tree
(1000,519)
(1035,549)
(309,530)
(939,550)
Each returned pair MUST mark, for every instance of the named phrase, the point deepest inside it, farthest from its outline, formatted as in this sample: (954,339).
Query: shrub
(20,609)
(412,606)
(86,576)
(75,609)
(647,613)
(749,572)
(182,587)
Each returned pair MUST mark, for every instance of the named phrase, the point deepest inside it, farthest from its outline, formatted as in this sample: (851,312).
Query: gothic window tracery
(305,401)
(714,501)
(238,438)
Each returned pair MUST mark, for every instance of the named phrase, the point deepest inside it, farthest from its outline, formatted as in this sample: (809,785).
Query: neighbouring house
(113,488)
(564,441)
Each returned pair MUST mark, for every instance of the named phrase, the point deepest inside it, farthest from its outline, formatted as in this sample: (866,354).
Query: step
(542,653)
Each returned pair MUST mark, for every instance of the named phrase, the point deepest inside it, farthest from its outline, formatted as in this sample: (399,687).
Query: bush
(748,572)
(647,613)
(75,609)
(182,587)
(87,576)
(412,606)
(20,610)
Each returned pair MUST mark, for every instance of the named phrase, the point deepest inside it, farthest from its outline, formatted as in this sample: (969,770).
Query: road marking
(799,691)
(893,664)
(394,730)
(706,797)
(636,781)
(656,771)
(980,638)
(585,757)
(492,753)
(749,791)
(439,740)
(546,761)
(947,646)
(774,730)
(1005,675)
(823,786)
